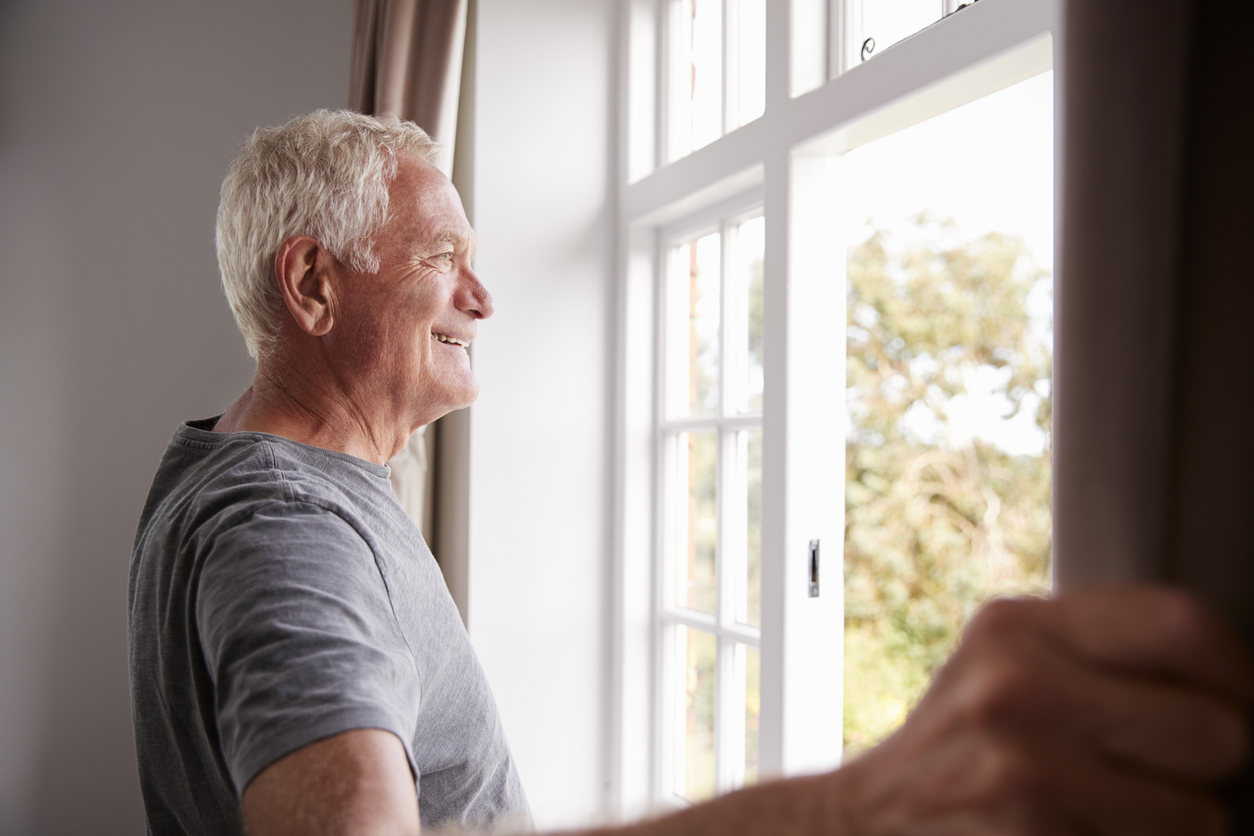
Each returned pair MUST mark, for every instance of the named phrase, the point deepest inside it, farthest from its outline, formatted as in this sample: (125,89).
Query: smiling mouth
(445,338)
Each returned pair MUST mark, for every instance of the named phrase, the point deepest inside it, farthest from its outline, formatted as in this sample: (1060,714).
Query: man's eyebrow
(449,239)
(457,241)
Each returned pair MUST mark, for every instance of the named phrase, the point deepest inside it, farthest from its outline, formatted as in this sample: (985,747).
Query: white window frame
(728,633)
(791,156)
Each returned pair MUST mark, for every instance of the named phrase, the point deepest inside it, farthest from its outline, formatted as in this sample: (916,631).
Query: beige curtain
(1154,417)
(407,61)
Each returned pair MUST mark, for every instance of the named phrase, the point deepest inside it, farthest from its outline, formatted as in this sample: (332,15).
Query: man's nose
(475,297)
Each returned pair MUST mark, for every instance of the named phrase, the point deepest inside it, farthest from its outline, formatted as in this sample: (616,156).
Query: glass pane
(750,60)
(753,520)
(695,314)
(888,21)
(699,451)
(748,276)
(697,74)
(753,705)
(742,552)
(694,777)
(949,363)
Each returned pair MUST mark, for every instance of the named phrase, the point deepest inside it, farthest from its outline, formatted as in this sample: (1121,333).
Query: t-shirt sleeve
(299,636)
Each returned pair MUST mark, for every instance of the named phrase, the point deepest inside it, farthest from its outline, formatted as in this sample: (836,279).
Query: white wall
(117,121)
(542,430)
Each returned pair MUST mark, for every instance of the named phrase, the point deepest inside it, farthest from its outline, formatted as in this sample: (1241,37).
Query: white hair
(325,175)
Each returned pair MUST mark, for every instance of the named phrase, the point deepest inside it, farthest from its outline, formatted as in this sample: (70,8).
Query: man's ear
(302,268)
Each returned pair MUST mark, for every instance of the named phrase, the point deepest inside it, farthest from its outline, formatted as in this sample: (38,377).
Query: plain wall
(542,430)
(117,121)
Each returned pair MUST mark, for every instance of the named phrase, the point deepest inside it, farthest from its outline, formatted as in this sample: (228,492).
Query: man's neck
(283,402)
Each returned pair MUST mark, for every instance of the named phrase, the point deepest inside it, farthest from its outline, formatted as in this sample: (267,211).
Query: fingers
(1168,729)
(1157,630)
(1109,712)
(1016,674)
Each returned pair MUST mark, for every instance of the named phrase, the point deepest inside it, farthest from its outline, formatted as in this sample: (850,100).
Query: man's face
(404,330)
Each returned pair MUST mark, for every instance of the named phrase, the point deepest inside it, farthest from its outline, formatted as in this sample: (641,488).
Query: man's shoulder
(204,476)
(210,486)
(216,473)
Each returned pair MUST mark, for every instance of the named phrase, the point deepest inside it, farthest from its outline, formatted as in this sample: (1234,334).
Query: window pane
(949,362)
(696,74)
(745,557)
(694,314)
(750,97)
(889,21)
(694,773)
(747,328)
(753,705)
(699,453)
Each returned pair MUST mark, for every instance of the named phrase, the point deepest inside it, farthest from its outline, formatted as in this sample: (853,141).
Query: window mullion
(778,54)
(732,422)
(678,128)
(773,497)
(731,65)
(722,577)
(701,621)
(734,707)
(667,102)
(731,360)
(844,25)
(724,721)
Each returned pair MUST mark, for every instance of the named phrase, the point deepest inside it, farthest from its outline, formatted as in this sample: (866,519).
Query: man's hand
(1109,711)
(1112,711)
(353,784)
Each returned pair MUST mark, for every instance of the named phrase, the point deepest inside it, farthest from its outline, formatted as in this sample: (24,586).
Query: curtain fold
(1154,411)
(407,61)
(1154,418)
(1125,97)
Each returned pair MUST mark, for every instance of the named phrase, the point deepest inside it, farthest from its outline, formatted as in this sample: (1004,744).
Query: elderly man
(297,666)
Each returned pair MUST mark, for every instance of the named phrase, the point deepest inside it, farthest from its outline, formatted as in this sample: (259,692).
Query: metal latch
(814,568)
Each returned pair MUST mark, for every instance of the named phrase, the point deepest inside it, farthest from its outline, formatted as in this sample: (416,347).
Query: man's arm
(357,783)
(1106,712)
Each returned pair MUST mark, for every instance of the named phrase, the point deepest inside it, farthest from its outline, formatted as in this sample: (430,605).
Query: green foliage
(934,524)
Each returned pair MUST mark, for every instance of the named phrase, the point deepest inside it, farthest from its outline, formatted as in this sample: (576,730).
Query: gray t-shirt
(280,595)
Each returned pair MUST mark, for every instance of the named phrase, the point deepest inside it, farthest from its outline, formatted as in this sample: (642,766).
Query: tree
(935,522)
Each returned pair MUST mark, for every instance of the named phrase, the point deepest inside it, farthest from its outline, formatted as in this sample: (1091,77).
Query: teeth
(444,338)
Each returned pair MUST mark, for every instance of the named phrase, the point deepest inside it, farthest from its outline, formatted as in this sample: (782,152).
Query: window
(949,372)
(710,452)
(715,70)
(736,211)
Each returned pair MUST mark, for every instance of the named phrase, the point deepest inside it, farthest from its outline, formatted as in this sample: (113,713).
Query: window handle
(814,568)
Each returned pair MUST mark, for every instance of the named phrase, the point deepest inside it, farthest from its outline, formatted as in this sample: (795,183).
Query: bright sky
(988,164)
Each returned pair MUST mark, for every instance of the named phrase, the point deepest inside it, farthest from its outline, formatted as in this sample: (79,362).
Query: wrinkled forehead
(425,207)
